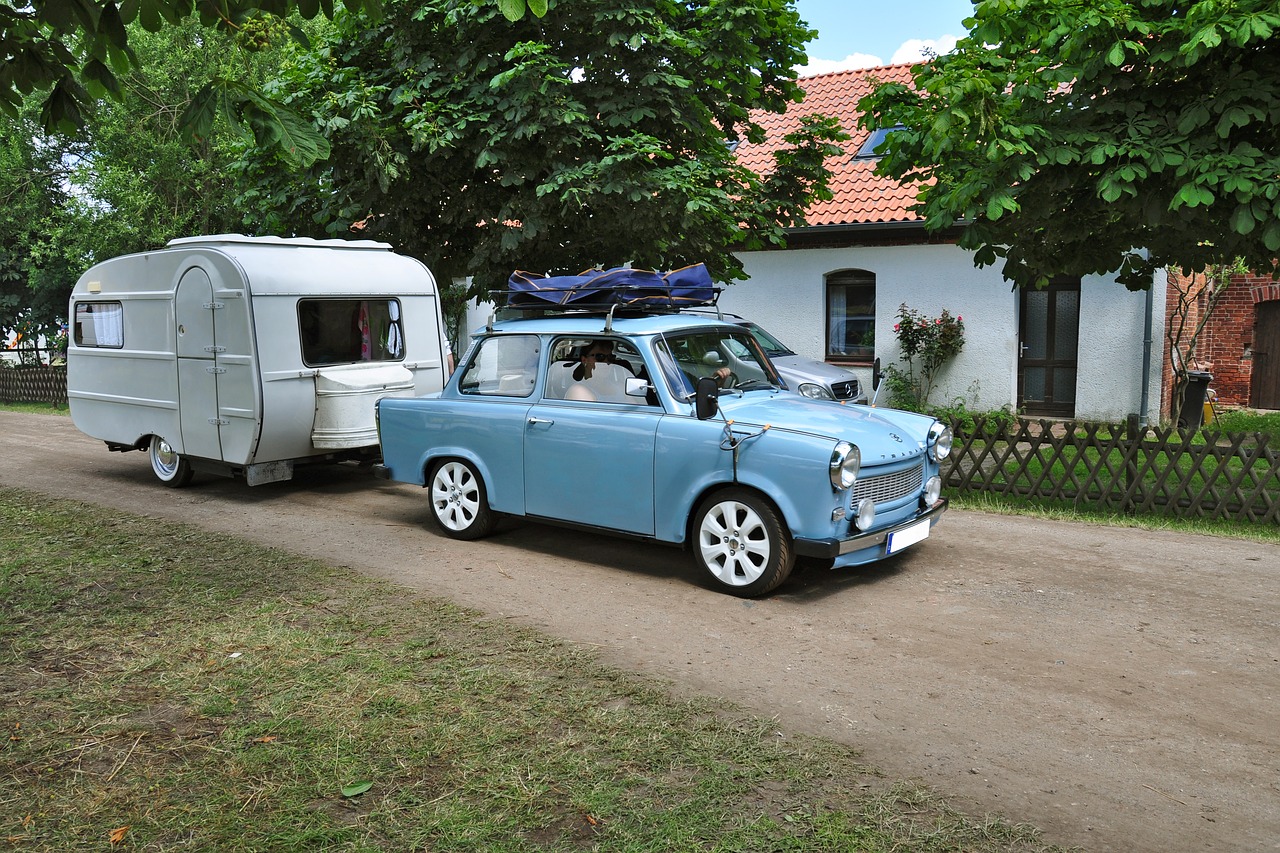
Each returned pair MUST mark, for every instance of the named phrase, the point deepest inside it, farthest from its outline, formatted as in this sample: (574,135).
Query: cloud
(912,50)
(850,62)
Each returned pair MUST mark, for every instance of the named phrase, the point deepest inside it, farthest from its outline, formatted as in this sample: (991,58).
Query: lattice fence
(1124,468)
(34,384)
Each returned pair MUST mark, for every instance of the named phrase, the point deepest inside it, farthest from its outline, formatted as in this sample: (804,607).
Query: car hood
(797,368)
(882,435)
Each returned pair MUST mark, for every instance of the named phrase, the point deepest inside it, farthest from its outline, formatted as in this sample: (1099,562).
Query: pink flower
(959,319)
(938,321)
(895,327)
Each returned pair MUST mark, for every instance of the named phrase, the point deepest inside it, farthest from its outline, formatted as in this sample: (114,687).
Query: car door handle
(541,421)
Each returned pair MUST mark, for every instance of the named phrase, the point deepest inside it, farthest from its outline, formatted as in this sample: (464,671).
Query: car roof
(595,324)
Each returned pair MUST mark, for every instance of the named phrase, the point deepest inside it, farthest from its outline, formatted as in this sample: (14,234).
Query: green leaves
(595,134)
(274,126)
(1114,125)
(513,10)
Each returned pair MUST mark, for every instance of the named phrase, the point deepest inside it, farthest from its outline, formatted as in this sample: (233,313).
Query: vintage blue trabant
(669,427)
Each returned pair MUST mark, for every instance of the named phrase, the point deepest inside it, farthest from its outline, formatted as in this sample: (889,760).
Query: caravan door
(197,379)
(217,396)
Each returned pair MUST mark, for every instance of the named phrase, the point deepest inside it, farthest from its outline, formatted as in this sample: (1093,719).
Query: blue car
(670,427)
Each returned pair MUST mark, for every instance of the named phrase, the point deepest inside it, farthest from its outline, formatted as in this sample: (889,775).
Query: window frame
(114,316)
(849,278)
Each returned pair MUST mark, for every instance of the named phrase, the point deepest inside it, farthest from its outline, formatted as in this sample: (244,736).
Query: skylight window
(871,149)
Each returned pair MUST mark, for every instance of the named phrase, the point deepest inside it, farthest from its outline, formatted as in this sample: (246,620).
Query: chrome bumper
(830,548)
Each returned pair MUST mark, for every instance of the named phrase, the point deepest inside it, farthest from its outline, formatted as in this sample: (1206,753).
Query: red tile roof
(858,195)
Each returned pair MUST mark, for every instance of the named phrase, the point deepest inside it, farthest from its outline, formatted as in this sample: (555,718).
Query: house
(1083,348)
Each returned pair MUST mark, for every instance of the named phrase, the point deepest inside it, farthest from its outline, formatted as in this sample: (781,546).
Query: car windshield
(733,358)
(772,346)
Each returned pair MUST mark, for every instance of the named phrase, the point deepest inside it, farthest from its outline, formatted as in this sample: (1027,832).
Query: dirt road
(1118,688)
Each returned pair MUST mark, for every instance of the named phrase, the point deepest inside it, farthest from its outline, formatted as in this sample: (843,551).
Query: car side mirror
(637,387)
(706,397)
(876,375)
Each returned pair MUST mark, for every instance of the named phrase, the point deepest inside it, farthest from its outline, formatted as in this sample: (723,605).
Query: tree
(76,50)
(33,203)
(1110,136)
(1194,298)
(598,134)
(126,182)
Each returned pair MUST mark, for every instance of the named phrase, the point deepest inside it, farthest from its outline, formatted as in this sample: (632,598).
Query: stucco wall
(785,294)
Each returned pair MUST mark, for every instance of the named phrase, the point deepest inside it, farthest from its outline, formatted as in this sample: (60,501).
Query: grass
(1247,420)
(176,689)
(1065,511)
(35,408)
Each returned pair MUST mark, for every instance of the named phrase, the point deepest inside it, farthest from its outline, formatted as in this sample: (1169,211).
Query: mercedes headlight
(815,392)
(846,459)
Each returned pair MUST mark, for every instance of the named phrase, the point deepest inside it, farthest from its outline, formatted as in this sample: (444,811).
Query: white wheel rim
(163,459)
(455,496)
(735,543)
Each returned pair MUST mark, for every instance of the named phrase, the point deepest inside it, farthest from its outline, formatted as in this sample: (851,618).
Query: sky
(867,33)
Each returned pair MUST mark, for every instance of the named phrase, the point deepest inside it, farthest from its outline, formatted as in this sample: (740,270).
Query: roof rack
(612,290)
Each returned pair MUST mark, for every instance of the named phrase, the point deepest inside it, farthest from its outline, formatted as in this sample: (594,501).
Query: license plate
(900,539)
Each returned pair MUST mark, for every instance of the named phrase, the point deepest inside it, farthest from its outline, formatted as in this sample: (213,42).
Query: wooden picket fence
(34,384)
(1121,468)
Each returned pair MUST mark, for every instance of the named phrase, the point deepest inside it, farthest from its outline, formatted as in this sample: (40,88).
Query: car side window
(502,366)
(594,370)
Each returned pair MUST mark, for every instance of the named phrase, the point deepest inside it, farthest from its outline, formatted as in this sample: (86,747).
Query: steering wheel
(730,381)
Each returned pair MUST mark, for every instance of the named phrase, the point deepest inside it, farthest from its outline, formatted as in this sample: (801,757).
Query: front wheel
(170,467)
(742,543)
(459,503)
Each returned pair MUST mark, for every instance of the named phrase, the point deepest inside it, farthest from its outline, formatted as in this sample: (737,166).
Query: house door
(1266,357)
(1049,336)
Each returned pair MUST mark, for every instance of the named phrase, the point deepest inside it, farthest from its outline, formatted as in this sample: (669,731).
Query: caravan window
(99,324)
(341,331)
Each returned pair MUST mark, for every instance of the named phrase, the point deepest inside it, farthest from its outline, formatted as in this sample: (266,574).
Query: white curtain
(108,324)
(835,319)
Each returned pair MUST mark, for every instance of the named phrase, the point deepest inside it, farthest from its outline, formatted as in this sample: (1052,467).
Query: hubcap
(735,543)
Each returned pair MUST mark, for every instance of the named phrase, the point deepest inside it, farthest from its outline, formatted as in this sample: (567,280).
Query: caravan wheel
(169,466)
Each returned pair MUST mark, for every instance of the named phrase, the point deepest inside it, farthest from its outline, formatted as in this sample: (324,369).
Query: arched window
(851,316)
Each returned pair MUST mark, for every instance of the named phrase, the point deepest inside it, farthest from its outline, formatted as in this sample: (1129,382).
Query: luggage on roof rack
(603,289)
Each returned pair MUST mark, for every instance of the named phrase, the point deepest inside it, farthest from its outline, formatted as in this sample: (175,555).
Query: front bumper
(832,548)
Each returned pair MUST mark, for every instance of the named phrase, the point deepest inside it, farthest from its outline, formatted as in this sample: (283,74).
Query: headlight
(846,459)
(932,491)
(939,442)
(816,392)
(866,509)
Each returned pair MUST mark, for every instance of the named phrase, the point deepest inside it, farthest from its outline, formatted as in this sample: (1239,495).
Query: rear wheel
(459,503)
(741,543)
(170,467)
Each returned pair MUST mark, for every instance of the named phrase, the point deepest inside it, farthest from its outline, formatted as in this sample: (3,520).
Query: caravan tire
(169,466)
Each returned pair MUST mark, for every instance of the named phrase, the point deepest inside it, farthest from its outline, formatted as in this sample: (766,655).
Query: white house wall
(785,294)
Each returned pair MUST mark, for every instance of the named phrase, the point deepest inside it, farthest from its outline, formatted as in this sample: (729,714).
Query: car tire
(459,501)
(741,543)
(169,466)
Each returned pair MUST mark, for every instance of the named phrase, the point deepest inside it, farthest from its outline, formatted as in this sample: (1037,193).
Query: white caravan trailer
(250,355)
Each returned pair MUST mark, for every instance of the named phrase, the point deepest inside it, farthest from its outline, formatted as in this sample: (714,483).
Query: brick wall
(1226,344)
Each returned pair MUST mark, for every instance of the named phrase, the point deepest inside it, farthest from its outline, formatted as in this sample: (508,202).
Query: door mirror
(706,398)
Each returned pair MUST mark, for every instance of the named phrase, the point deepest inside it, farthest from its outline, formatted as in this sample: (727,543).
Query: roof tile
(858,195)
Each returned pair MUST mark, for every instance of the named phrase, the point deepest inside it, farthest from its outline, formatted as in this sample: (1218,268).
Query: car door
(591,462)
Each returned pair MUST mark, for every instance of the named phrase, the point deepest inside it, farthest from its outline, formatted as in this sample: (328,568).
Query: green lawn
(180,690)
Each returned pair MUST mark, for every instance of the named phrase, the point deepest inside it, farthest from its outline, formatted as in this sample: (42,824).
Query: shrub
(927,344)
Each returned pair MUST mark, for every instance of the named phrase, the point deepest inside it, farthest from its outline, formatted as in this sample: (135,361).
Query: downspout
(1146,353)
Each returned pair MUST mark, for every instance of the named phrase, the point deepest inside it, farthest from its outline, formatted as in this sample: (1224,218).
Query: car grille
(844,390)
(887,487)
